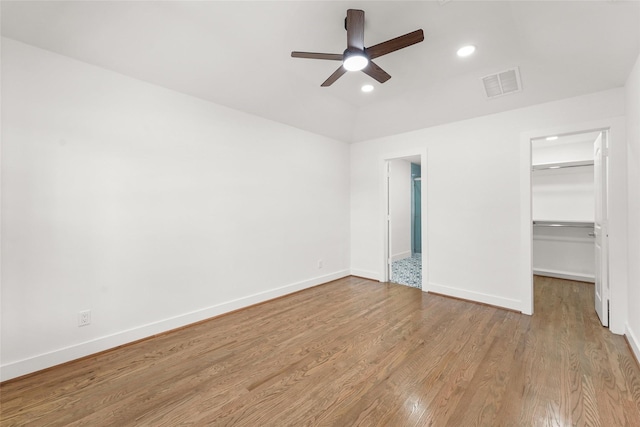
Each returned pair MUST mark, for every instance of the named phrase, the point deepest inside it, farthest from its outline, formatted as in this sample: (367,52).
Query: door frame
(384,204)
(616,206)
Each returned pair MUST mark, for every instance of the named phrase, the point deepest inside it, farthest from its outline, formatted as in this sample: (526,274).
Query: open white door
(387,221)
(600,229)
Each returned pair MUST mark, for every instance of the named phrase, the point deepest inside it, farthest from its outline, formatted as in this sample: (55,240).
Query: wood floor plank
(354,352)
(481,399)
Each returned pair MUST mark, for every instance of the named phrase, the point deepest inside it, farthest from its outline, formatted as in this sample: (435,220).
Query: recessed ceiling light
(551,138)
(366,88)
(466,50)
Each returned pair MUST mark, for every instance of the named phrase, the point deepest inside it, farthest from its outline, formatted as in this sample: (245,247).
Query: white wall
(475,247)
(566,194)
(633,188)
(564,252)
(563,194)
(579,151)
(151,208)
(400,208)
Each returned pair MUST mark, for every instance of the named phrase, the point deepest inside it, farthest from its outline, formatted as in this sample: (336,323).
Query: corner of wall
(632,111)
(365,274)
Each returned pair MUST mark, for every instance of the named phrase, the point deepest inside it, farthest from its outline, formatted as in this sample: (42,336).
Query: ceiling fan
(357,57)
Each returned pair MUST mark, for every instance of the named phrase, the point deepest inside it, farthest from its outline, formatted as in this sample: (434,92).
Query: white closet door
(600,229)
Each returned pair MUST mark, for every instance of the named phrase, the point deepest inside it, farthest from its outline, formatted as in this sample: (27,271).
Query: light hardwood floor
(354,352)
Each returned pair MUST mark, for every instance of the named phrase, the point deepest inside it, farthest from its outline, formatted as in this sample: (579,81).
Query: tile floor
(408,271)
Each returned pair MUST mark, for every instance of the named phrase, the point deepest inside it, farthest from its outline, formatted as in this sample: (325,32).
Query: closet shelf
(562,165)
(577,224)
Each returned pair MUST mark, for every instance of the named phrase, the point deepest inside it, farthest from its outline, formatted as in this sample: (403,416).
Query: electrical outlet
(320,263)
(84,318)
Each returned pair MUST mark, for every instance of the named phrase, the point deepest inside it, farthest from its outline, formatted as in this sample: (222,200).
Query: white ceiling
(238,54)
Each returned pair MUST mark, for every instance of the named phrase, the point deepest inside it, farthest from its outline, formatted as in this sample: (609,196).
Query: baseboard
(365,274)
(565,275)
(401,255)
(67,354)
(633,341)
(511,304)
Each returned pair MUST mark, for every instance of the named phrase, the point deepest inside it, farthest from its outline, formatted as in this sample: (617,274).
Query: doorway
(569,210)
(404,221)
(416,209)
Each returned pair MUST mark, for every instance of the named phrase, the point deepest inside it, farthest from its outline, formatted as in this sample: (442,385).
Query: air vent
(502,83)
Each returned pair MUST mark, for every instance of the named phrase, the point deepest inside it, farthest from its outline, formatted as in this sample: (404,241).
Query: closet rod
(562,224)
(562,165)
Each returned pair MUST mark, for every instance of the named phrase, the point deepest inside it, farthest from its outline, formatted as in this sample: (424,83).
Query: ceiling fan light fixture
(355,61)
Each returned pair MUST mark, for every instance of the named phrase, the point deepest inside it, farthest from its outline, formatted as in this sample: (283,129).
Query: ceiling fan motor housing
(350,51)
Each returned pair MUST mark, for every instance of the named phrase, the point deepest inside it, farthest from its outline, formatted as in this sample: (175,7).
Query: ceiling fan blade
(314,55)
(395,44)
(376,72)
(335,76)
(355,29)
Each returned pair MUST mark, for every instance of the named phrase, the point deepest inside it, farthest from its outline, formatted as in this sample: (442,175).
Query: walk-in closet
(564,206)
